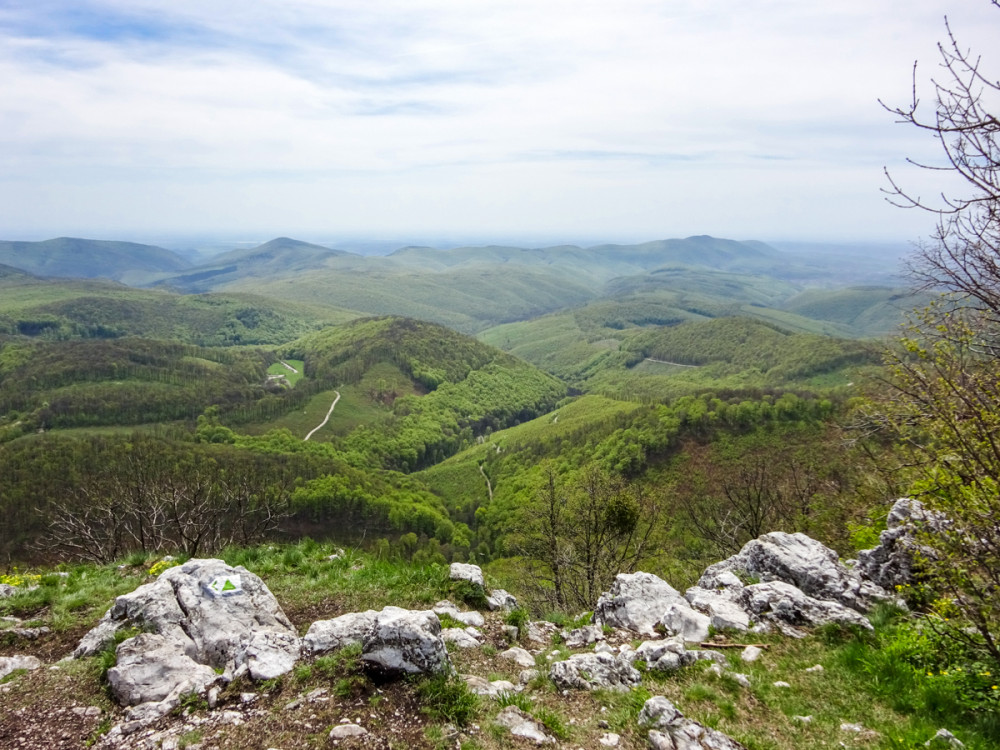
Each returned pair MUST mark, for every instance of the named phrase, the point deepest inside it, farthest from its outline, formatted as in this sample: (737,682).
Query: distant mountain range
(72,257)
(472,289)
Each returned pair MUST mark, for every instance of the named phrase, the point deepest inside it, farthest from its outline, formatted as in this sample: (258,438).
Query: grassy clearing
(291,376)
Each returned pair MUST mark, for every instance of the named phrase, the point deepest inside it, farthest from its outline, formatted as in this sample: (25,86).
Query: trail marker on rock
(226,585)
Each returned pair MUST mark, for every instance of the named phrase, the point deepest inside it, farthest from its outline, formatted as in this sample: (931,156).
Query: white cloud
(751,119)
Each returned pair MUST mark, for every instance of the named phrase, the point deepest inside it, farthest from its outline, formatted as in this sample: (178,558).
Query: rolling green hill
(866,310)
(94,382)
(62,309)
(72,257)
(472,288)
(281,257)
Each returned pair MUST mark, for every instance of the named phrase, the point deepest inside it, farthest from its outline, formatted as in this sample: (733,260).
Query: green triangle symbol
(228,586)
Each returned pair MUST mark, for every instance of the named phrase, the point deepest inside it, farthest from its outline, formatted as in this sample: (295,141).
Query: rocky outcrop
(593,671)
(636,602)
(519,656)
(473,574)
(461,638)
(787,607)
(401,641)
(891,563)
(217,615)
(494,689)
(671,730)
(802,562)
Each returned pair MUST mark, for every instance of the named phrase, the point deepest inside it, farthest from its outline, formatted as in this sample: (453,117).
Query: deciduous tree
(943,400)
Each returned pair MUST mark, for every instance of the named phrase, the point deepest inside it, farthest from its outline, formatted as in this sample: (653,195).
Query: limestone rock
(721,580)
(592,671)
(682,620)
(784,605)
(343,731)
(671,730)
(466,618)
(944,739)
(30,634)
(522,725)
(584,636)
(660,741)
(10,664)
(151,669)
(751,654)
(519,656)
(669,655)
(663,656)
(404,641)
(460,638)
(890,564)
(500,599)
(325,636)
(741,679)
(540,631)
(719,606)
(217,615)
(482,686)
(802,562)
(465,572)
(636,601)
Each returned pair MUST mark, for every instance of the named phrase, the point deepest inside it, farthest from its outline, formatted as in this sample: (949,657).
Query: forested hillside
(65,309)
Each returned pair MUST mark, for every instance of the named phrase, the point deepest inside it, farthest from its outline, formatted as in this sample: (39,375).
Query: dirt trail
(288,366)
(489,485)
(326,418)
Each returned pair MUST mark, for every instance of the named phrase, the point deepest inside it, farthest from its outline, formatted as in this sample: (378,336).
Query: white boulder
(10,664)
(636,602)
(593,671)
(671,730)
(466,572)
(217,615)
(405,641)
(325,636)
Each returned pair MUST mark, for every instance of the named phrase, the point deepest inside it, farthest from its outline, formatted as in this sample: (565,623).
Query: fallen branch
(764,646)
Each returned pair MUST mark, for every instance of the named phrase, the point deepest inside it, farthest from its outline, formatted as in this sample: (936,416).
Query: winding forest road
(325,419)
(664,362)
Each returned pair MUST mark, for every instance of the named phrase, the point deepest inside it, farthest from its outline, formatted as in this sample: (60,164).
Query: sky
(547,119)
